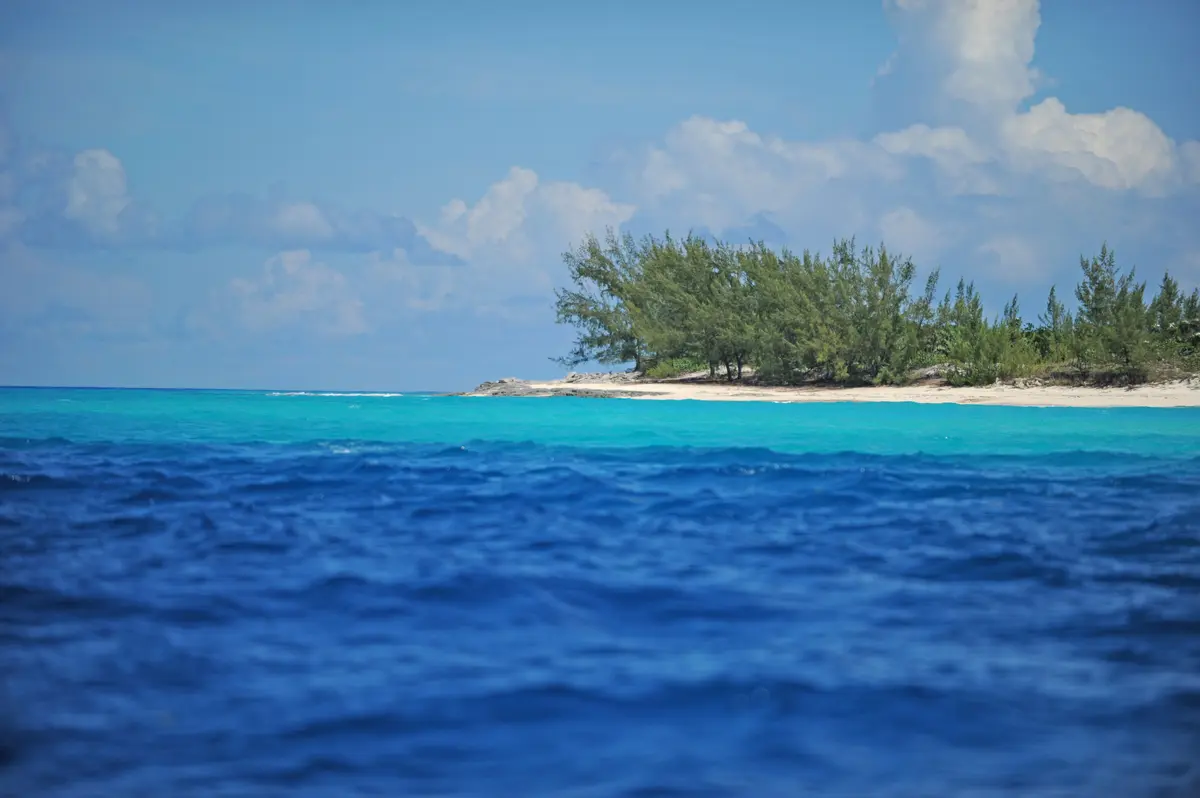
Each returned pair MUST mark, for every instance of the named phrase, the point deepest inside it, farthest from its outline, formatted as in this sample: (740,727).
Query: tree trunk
(739,365)
(712,370)
(728,371)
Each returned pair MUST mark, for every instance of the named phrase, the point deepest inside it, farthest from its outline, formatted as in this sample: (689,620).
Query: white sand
(1173,394)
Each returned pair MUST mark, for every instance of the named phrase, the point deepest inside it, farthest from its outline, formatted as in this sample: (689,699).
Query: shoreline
(1174,394)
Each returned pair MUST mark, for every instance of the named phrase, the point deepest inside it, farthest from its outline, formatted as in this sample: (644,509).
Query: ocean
(338,594)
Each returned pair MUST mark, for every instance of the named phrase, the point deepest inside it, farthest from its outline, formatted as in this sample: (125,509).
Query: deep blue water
(254,594)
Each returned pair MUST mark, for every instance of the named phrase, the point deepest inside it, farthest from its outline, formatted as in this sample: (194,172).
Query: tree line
(670,306)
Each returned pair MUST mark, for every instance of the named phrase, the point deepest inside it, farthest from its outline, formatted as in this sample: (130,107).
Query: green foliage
(1112,330)
(980,353)
(674,367)
(1054,337)
(675,306)
(1188,333)
(603,277)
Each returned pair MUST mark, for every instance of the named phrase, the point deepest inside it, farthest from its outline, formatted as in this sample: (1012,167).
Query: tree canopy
(668,305)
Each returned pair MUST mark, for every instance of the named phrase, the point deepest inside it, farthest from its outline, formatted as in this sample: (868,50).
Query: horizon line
(6,387)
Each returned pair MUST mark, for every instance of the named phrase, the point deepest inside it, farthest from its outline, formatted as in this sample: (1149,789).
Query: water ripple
(350,617)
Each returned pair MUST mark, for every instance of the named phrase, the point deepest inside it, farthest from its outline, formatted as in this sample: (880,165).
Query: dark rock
(522,388)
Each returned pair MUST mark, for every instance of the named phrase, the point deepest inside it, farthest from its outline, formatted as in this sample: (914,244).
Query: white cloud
(886,68)
(493,220)
(296,290)
(1118,149)
(908,233)
(576,211)
(957,155)
(988,45)
(42,189)
(302,220)
(96,192)
(397,281)
(520,217)
(719,173)
(983,51)
(949,146)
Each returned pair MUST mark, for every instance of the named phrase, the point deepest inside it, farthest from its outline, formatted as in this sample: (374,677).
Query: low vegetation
(670,307)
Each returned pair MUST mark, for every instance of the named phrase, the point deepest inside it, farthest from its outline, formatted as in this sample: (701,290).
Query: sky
(377,195)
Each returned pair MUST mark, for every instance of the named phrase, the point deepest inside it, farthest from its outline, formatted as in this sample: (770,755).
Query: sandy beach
(1184,393)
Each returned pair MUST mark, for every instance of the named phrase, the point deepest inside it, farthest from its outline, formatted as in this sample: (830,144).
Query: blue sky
(376,195)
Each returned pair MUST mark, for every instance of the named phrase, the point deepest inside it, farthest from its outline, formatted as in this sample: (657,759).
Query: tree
(1111,327)
(1055,332)
(675,305)
(922,315)
(735,312)
(1189,325)
(1097,292)
(1012,318)
(962,334)
(604,278)
(1128,336)
(1166,310)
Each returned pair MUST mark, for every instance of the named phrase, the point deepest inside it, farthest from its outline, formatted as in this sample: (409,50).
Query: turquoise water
(877,428)
(254,593)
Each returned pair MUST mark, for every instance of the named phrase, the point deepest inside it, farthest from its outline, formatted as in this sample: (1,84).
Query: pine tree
(1056,327)
(682,304)
(1166,311)
(604,277)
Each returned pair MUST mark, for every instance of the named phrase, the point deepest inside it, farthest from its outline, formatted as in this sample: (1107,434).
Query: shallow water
(207,593)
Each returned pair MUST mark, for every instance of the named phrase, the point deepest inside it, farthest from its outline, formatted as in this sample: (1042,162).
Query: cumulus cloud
(720,173)
(301,220)
(397,282)
(961,160)
(520,218)
(296,290)
(49,199)
(983,157)
(96,192)
(909,233)
(52,200)
(982,52)
(1117,149)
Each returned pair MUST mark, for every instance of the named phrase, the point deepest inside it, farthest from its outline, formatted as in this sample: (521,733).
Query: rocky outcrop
(603,376)
(511,386)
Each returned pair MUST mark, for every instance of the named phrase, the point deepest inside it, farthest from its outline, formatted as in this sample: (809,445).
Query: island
(627,385)
(694,318)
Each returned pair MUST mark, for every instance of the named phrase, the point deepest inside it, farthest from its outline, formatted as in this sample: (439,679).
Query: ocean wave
(334,394)
(464,616)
